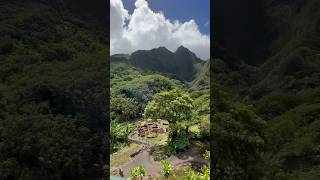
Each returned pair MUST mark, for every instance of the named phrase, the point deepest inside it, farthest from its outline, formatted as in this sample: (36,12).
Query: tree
(176,106)
(119,134)
(237,137)
(166,168)
(123,108)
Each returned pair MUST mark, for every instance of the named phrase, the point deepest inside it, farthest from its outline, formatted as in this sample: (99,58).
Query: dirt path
(152,168)
(143,159)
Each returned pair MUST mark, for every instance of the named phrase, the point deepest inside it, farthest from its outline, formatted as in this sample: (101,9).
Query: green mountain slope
(294,63)
(181,64)
(202,78)
(52,93)
(282,87)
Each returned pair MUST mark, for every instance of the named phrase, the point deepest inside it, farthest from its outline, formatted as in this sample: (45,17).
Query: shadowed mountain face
(182,63)
(280,42)
(293,63)
(240,27)
(270,60)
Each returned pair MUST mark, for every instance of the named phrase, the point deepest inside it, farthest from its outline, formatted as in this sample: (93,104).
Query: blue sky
(182,10)
(139,25)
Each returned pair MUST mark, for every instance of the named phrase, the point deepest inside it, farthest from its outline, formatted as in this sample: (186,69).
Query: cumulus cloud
(146,29)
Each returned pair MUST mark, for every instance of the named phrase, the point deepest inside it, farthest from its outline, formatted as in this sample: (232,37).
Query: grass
(161,152)
(123,155)
(160,139)
(164,151)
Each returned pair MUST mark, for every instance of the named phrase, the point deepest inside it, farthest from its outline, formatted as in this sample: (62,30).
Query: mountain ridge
(183,63)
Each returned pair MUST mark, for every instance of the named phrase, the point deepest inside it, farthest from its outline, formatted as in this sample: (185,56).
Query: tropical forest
(159,110)
(53,90)
(265,89)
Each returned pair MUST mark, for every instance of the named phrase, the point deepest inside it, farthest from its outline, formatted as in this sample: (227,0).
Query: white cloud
(146,29)
(207,24)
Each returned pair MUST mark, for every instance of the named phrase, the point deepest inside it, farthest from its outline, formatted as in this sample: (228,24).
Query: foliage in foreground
(119,134)
(166,168)
(137,173)
(204,173)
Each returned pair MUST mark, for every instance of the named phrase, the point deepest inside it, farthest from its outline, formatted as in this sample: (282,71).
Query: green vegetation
(134,91)
(204,173)
(137,173)
(160,139)
(192,175)
(53,71)
(185,173)
(266,102)
(175,106)
(119,134)
(166,169)
(181,64)
(149,93)
(237,134)
(122,156)
(131,90)
(186,121)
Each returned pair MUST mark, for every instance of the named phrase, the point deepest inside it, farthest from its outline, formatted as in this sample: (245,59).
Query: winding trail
(152,168)
(143,159)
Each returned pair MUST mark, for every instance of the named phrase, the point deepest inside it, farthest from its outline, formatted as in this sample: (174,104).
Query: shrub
(137,173)
(166,168)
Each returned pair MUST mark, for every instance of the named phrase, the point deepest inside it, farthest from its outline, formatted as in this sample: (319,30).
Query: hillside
(202,78)
(294,63)
(53,73)
(279,82)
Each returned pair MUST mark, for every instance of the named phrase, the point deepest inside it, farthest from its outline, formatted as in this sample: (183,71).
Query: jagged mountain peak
(158,49)
(182,63)
(182,49)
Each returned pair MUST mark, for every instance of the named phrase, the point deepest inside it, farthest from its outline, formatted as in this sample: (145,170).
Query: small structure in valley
(152,128)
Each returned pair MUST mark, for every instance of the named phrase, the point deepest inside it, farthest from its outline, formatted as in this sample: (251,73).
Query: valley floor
(141,152)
